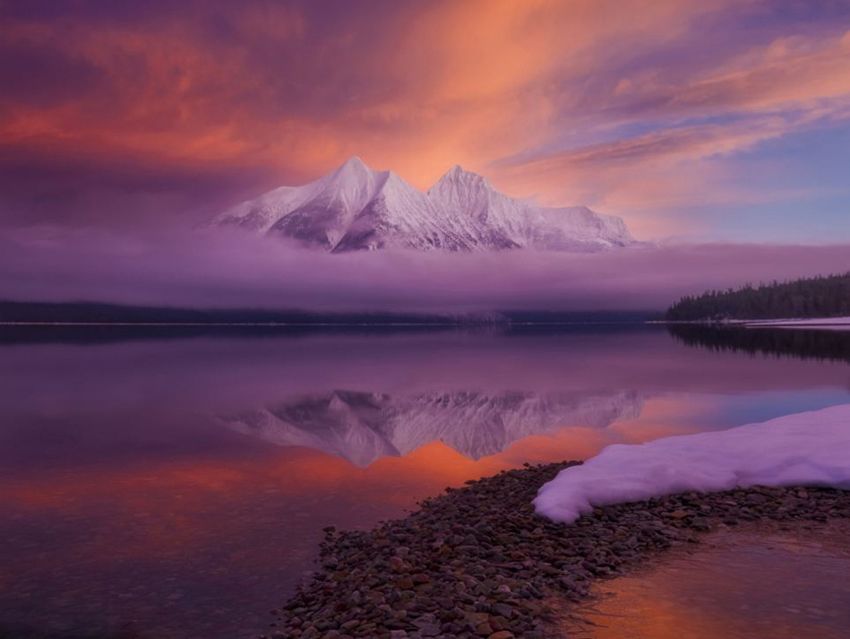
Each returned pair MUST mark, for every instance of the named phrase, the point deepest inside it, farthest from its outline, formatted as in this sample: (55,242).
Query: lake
(175,483)
(762,580)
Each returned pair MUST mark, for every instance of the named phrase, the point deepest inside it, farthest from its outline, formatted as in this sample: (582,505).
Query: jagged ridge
(356,208)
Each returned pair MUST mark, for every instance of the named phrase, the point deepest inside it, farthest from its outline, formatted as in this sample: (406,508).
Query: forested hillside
(827,296)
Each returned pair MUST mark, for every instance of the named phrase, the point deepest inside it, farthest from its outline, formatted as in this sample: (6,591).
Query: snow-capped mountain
(363,427)
(356,208)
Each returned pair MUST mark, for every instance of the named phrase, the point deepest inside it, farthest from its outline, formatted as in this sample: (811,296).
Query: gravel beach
(478,562)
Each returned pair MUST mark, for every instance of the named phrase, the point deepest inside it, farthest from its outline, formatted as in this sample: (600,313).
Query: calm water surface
(748,584)
(178,487)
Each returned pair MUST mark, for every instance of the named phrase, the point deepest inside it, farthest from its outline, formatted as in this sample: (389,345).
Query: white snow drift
(808,449)
(356,208)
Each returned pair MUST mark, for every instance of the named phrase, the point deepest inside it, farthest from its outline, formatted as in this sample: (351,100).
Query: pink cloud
(615,104)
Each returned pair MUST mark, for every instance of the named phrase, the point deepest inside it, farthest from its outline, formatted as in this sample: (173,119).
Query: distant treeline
(104,313)
(827,296)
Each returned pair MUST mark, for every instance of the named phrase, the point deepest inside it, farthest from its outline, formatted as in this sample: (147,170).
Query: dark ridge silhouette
(103,313)
(97,312)
(89,322)
(826,296)
(801,344)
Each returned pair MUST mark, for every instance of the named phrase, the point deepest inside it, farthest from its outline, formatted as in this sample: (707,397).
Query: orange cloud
(450,76)
(539,95)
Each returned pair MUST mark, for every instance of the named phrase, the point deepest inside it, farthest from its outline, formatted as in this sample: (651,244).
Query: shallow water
(750,584)
(178,487)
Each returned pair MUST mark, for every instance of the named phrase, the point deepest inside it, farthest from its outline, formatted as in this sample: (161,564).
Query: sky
(709,119)
(697,121)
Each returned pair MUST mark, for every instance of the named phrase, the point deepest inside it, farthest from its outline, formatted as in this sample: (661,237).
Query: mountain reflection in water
(363,427)
(179,487)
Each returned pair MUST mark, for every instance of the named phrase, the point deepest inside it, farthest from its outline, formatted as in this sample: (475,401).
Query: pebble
(478,563)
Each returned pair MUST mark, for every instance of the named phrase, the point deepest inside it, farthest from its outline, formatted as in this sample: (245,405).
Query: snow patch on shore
(805,449)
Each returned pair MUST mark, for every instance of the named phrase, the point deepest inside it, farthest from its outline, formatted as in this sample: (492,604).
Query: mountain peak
(352,184)
(358,208)
(458,174)
(353,165)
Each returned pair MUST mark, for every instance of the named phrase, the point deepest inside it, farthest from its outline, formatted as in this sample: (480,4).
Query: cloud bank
(215,269)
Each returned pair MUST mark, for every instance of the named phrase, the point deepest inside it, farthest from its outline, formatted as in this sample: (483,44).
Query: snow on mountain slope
(504,222)
(356,208)
(363,427)
(319,213)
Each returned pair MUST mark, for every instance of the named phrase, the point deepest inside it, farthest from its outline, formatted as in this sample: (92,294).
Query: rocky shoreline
(477,562)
